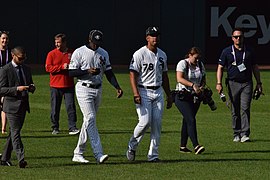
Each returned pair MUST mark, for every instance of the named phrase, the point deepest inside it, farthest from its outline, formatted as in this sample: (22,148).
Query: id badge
(242,67)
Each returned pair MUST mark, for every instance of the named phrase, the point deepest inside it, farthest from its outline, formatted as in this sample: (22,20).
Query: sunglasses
(236,37)
(20,58)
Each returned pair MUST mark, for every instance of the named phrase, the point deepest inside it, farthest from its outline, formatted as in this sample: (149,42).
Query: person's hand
(196,88)
(169,102)
(137,99)
(22,88)
(219,88)
(94,71)
(65,66)
(119,93)
(259,87)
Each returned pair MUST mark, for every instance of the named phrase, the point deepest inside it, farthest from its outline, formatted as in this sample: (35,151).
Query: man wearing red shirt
(61,84)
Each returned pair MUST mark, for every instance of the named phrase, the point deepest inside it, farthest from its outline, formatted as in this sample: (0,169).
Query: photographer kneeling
(190,75)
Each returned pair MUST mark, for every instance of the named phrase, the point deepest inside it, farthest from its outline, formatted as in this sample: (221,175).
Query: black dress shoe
(22,164)
(6,163)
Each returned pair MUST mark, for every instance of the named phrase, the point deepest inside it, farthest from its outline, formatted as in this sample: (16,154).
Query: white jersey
(149,65)
(85,58)
(191,74)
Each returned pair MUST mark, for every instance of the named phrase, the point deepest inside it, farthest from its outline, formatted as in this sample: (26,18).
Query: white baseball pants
(89,100)
(150,113)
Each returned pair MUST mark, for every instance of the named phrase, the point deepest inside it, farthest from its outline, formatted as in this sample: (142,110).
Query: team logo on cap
(97,37)
(154,28)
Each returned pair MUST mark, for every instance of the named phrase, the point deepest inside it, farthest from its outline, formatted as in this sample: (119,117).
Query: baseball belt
(94,86)
(149,87)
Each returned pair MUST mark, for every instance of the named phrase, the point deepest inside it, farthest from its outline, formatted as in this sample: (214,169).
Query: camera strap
(200,66)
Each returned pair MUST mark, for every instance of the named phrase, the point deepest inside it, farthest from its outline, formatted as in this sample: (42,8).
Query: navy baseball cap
(96,37)
(152,31)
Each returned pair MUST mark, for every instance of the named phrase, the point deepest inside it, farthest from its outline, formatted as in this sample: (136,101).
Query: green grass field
(49,156)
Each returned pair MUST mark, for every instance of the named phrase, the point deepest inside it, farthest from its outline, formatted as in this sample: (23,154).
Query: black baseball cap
(96,37)
(152,31)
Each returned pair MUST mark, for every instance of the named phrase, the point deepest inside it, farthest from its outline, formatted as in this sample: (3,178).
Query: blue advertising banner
(222,16)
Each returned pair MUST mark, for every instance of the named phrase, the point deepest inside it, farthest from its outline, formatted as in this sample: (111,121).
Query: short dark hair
(62,36)
(4,32)
(238,29)
(18,49)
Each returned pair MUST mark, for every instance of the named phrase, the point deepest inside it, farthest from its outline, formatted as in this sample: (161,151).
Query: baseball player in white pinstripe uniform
(148,72)
(89,63)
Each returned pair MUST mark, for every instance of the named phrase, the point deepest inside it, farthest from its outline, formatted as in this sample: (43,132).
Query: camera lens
(212,105)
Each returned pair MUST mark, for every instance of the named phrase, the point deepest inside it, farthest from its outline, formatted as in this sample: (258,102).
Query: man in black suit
(15,84)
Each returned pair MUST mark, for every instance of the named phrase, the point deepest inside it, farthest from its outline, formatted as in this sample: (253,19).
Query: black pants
(56,101)
(189,110)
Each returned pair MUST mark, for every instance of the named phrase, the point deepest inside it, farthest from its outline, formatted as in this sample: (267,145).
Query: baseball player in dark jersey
(89,63)
(148,73)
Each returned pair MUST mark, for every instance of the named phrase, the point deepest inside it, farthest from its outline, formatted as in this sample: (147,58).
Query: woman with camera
(190,76)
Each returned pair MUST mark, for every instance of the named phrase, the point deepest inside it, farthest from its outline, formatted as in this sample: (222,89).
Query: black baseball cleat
(6,163)
(22,164)
(156,160)
(199,149)
(131,155)
(184,150)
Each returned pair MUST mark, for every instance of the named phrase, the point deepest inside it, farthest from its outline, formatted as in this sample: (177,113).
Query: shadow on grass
(162,162)
(64,133)
(120,159)
(236,152)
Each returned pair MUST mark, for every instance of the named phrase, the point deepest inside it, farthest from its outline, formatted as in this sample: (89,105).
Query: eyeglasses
(20,58)
(236,37)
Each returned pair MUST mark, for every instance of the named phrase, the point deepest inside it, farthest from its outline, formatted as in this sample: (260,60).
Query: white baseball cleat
(79,158)
(103,158)
(236,139)
(245,139)
(74,131)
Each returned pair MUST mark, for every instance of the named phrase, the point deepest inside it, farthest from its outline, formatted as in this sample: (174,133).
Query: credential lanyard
(1,57)
(234,57)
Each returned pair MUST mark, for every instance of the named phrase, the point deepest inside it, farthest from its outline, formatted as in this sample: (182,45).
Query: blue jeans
(189,110)
(56,101)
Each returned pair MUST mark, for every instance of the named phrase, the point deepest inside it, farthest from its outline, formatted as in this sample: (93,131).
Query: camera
(31,88)
(206,98)
(222,97)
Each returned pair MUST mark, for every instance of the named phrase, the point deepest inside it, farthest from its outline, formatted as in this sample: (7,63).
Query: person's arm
(257,76)
(113,81)
(51,67)
(166,87)
(77,72)
(180,78)
(133,76)
(4,89)
(219,87)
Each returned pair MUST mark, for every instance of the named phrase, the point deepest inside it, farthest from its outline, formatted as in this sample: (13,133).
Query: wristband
(192,85)
(259,83)
(219,83)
